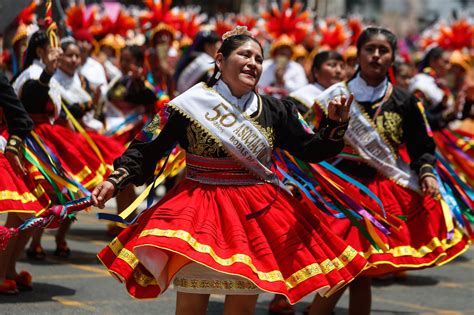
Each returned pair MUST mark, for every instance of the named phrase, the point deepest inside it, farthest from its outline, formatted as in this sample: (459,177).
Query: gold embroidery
(153,125)
(390,124)
(420,252)
(117,92)
(374,125)
(201,143)
(272,276)
(214,284)
(26,197)
(123,253)
(142,279)
(266,131)
(325,267)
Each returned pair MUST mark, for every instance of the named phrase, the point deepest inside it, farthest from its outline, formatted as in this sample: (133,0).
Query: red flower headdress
(189,24)
(27,15)
(246,20)
(356,27)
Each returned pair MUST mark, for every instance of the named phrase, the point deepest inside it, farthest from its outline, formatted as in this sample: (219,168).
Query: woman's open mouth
(250,73)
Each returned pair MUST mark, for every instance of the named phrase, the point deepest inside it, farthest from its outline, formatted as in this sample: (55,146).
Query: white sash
(230,127)
(194,71)
(363,136)
(307,94)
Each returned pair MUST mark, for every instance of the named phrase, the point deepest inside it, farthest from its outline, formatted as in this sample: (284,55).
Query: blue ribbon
(321,205)
(359,185)
(468,190)
(448,196)
(302,181)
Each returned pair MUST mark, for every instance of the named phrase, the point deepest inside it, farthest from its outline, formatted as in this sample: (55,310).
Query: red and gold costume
(222,229)
(425,234)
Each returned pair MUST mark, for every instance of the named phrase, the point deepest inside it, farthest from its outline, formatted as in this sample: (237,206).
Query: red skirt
(420,242)
(286,250)
(108,146)
(20,194)
(76,156)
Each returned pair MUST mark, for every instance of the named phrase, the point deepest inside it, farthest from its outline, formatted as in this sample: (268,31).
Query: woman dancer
(21,196)
(328,68)
(39,92)
(229,227)
(383,119)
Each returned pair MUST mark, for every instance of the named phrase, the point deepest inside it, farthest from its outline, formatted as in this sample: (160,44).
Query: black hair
(433,54)
(137,53)
(39,39)
(370,32)
(398,64)
(199,43)
(67,41)
(324,56)
(204,37)
(228,46)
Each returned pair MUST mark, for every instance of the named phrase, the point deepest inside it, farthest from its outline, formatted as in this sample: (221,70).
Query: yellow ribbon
(448,218)
(40,143)
(176,160)
(81,130)
(375,236)
(52,28)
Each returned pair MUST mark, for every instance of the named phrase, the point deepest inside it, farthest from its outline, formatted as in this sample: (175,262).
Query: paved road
(80,285)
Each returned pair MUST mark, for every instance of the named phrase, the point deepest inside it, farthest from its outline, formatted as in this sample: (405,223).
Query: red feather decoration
(76,18)
(332,34)
(189,23)
(355,26)
(246,20)
(289,20)
(120,26)
(223,25)
(27,15)
(158,12)
(457,36)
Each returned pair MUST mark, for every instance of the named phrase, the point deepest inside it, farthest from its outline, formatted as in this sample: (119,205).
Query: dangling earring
(217,75)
